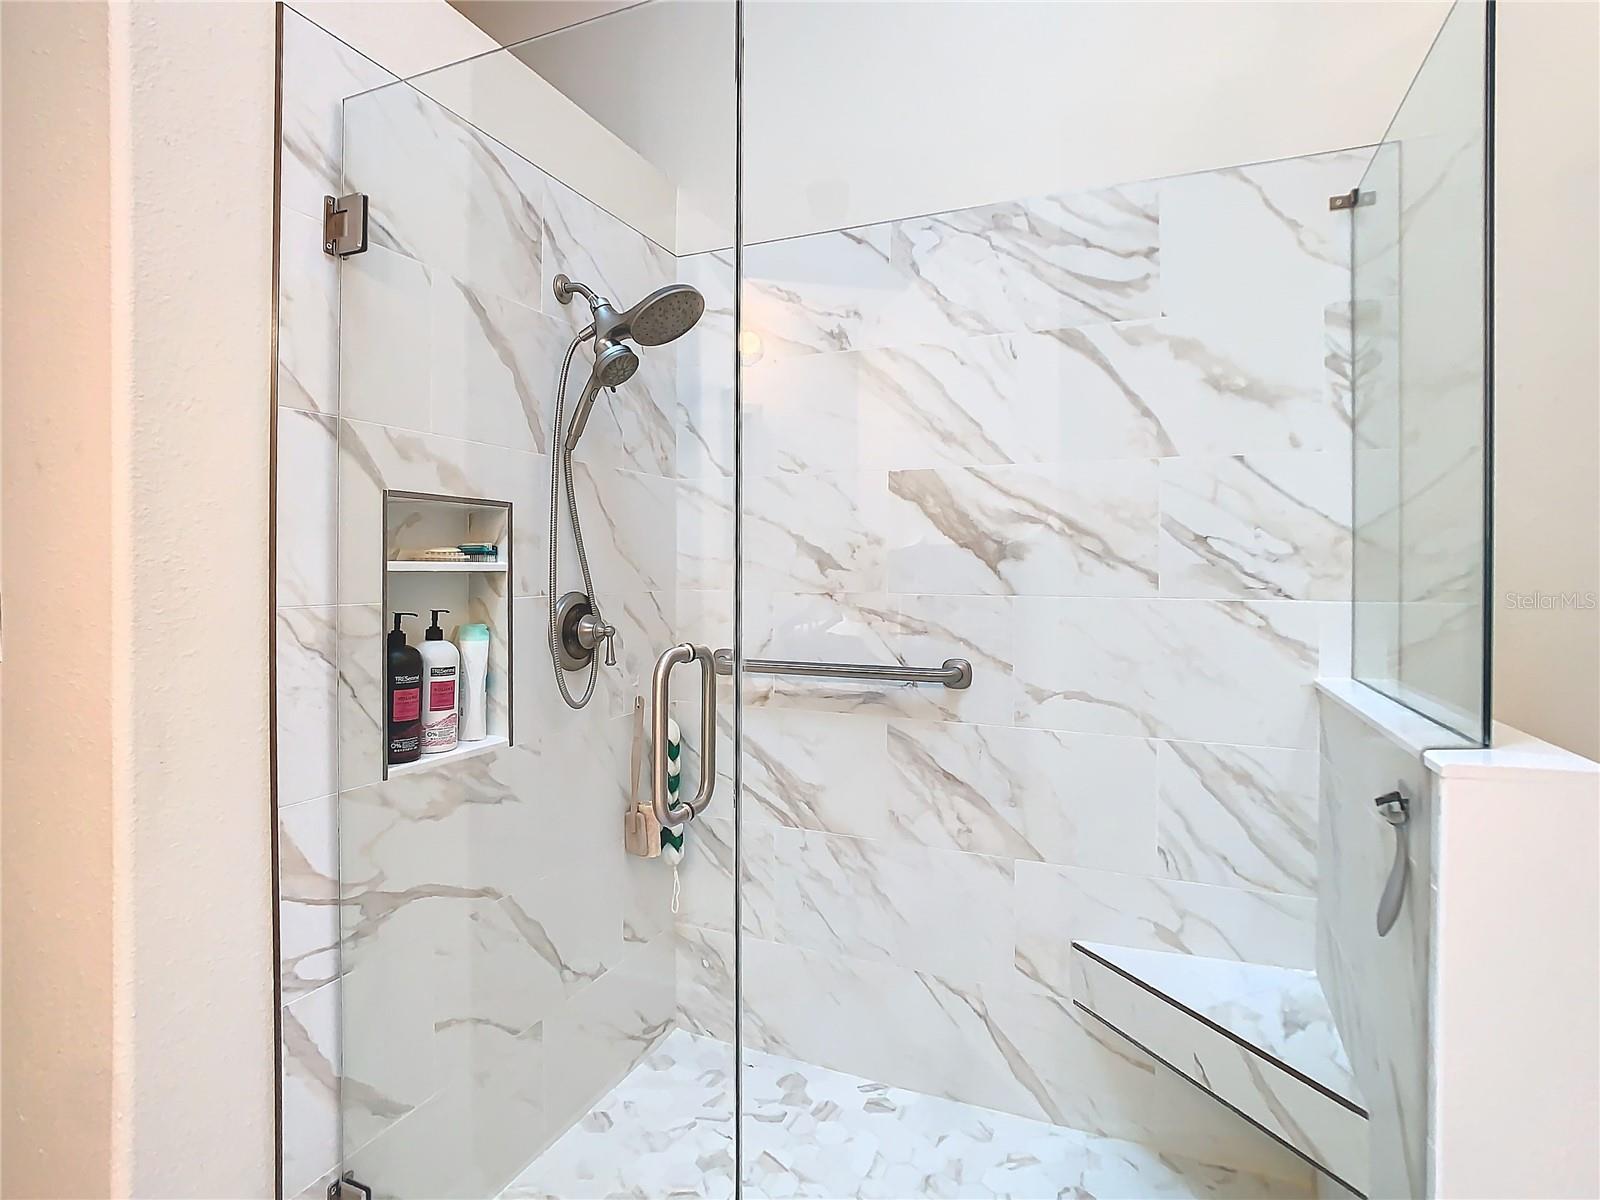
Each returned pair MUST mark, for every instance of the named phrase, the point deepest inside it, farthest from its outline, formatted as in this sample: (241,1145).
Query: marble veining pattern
(666,1130)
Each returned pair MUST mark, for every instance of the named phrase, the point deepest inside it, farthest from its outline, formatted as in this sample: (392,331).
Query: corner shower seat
(1260,1040)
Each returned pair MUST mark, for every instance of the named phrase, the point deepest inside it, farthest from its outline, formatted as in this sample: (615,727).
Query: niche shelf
(463,750)
(412,567)
(471,592)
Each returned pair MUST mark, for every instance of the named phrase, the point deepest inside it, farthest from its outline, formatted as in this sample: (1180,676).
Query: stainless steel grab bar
(953,673)
(667,812)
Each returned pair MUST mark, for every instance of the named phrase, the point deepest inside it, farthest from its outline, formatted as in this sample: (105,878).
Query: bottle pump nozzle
(434,633)
(397,636)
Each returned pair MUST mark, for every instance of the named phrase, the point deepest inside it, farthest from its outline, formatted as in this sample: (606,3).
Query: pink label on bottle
(442,695)
(407,704)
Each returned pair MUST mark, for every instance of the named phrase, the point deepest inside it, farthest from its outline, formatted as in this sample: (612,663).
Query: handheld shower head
(663,316)
(614,364)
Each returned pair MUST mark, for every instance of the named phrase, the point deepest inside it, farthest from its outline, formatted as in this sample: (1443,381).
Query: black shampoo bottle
(405,697)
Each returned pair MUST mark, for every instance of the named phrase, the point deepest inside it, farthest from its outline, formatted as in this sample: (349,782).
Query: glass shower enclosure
(1000,515)
(506,959)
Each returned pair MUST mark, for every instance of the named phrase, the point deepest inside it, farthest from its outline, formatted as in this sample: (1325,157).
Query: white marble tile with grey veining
(705,990)
(308,317)
(307,513)
(881,901)
(310,1047)
(1079,799)
(1239,816)
(386,352)
(1208,384)
(493,368)
(602,1031)
(629,530)
(967,402)
(705,534)
(319,72)
(1224,671)
(821,532)
(308,895)
(1056,906)
(826,771)
(587,244)
(445,193)
(1066,530)
(1059,261)
(1268,526)
(1246,240)
(307,658)
(705,419)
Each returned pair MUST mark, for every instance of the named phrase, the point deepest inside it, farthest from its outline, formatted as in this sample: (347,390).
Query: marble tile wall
(1095,444)
(468,955)
(1378,986)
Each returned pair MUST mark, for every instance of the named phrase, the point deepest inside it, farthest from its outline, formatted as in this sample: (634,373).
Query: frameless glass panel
(1420,388)
(1035,374)
(529,1006)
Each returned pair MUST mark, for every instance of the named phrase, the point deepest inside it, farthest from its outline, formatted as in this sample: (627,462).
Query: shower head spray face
(614,363)
(664,315)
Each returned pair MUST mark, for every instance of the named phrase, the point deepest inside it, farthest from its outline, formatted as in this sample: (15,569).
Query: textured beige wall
(1547,373)
(55,1001)
(137,837)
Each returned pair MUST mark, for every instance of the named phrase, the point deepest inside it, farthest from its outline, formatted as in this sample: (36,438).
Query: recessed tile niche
(476,592)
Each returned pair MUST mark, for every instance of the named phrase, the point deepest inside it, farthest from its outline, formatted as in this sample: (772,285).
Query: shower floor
(666,1131)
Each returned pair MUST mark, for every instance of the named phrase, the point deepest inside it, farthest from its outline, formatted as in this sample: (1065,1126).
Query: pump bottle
(441,667)
(405,697)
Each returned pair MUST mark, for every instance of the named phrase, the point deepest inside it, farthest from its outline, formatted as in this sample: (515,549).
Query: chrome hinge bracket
(348,1179)
(1354,198)
(344,225)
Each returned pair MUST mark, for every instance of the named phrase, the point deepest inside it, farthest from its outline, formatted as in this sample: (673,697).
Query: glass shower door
(1420,387)
(522,999)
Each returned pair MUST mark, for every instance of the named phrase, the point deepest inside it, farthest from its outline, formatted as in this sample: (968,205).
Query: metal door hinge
(344,225)
(348,1180)
(1354,198)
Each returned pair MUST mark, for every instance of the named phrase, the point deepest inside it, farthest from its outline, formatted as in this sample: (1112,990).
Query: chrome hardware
(348,1180)
(953,673)
(1354,198)
(667,812)
(592,630)
(1395,808)
(581,630)
(344,225)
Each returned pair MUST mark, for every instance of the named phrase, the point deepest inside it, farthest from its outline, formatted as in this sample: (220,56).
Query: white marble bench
(1260,1040)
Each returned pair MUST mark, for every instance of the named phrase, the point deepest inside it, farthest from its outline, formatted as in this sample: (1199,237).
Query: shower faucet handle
(592,630)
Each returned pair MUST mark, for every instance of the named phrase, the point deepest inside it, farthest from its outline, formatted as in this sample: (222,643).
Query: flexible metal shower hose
(561,464)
